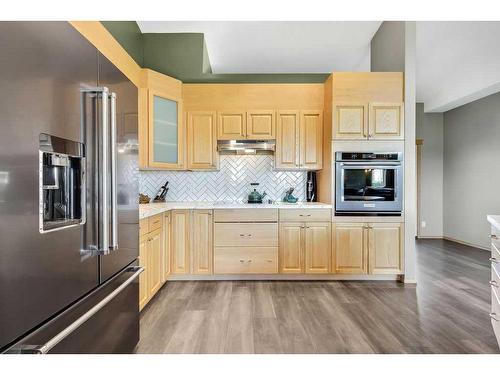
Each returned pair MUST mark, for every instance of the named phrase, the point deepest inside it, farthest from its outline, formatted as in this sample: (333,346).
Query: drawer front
(495,240)
(155,222)
(305,215)
(495,281)
(495,313)
(241,260)
(246,215)
(143,226)
(250,234)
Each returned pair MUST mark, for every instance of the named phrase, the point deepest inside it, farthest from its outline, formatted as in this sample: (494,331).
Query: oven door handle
(369,164)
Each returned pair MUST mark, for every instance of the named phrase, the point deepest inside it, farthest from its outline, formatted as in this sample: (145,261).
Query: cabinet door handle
(242,235)
(250,261)
(242,261)
(494,260)
(493,316)
(494,236)
(494,283)
(249,235)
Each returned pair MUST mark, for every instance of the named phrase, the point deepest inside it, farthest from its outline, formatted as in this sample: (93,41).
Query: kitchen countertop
(494,220)
(151,209)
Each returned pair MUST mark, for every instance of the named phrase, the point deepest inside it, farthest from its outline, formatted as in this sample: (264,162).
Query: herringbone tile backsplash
(230,183)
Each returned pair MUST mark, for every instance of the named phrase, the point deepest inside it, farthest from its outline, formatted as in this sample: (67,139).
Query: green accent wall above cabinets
(185,56)
(128,34)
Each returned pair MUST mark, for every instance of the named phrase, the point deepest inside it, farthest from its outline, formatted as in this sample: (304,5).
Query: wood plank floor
(447,312)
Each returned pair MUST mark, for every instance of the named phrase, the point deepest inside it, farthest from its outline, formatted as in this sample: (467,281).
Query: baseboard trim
(283,277)
(466,243)
(453,240)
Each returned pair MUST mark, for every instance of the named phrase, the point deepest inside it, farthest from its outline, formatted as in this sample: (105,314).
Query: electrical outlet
(423,224)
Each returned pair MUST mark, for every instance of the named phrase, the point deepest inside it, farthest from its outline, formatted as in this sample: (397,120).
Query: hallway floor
(446,312)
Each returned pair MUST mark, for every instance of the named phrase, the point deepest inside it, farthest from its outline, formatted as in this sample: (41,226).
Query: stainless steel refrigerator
(68,195)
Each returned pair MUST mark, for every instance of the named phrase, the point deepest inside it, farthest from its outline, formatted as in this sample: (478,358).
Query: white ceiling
(457,62)
(279,47)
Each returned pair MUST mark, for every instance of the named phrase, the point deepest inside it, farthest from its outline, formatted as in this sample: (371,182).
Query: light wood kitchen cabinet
(318,247)
(311,140)
(350,121)
(246,260)
(202,242)
(368,248)
(166,247)
(151,247)
(231,125)
(305,247)
(353,121)
(386,121)
(261,124)
(349,247)
(385,244)
(291,245)
(180,241)
(154,262)
(299,140)
(166,131)
(143,277)
(202,140)
(287,140)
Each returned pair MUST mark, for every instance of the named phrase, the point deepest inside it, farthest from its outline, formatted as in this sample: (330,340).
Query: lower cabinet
(150,256)
(367,248)
(349,247)
(305,247)
(180,241)
(385,245)
(166,258)
(246,260)
(202,242)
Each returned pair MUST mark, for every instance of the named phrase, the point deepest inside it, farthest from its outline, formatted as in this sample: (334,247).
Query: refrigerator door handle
(104,203)
(49,345)
(114,218)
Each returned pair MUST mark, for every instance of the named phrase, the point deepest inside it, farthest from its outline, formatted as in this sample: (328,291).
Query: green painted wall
(128,34)
(185,56)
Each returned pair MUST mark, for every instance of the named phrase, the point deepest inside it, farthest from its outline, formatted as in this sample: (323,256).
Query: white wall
(471,170)
(393,48)
(430,129)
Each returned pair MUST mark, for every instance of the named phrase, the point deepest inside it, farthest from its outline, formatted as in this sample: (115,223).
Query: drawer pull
(494,260)
(494,236)
(250,261)
(242,261)
(494,283)
(493,316)
(242,235)
(249,235)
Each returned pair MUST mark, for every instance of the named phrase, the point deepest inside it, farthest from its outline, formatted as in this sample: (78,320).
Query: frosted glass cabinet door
(165,132)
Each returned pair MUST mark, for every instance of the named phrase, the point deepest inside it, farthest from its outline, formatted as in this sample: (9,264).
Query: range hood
(243,147)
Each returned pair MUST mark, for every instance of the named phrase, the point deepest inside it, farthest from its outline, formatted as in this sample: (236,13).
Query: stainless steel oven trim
(395,206)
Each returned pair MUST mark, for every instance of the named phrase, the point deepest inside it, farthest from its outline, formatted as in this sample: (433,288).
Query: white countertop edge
(494,220)
(151,209)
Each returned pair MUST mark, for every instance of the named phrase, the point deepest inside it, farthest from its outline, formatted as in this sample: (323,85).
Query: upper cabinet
(261,124)
(162,135)
(367,105)
(386,121)
(232,125)
(299,139)
(311,140)
(252,124)
(166,133)
(287,140)
(350,121)
(202,140)
(367,121)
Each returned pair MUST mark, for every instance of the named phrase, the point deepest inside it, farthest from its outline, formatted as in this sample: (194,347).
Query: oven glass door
(368,187)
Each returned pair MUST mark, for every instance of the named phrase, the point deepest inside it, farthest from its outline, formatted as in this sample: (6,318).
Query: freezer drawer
(112,329)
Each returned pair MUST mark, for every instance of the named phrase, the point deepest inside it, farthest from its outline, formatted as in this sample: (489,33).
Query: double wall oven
(368,183)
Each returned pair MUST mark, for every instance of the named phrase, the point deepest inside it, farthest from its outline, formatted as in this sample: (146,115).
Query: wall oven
(368,183)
